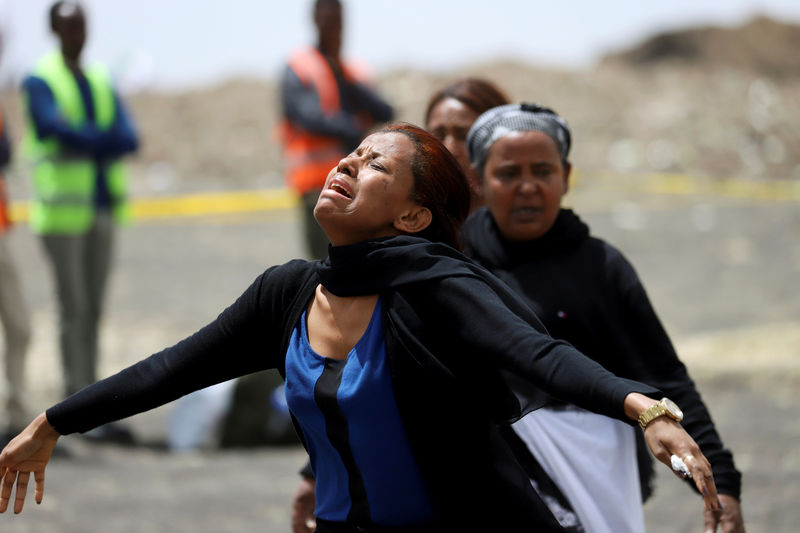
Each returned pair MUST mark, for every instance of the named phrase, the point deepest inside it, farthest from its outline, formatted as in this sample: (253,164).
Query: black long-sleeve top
(5,145)
(450,329)
(587,293)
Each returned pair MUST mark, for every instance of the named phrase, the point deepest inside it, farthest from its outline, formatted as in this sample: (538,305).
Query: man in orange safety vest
(328,107)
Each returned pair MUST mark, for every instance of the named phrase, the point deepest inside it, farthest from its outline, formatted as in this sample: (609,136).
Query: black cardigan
(587,293)
(449,332)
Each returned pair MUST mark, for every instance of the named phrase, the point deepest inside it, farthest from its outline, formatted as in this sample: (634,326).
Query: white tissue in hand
(678,465)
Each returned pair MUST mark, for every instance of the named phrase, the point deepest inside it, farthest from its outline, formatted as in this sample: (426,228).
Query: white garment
(592,460)
(196,418)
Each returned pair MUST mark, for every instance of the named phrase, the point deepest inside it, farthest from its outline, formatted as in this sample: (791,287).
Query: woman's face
(368,193)
(450,121)
(524,181)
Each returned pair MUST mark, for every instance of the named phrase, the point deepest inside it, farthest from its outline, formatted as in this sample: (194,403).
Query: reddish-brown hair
(477,94)
(439,184)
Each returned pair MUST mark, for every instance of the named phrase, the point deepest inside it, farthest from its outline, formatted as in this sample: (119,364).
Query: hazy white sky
(185,43)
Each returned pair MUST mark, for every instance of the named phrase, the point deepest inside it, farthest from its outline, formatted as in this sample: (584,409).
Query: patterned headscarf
(502,120)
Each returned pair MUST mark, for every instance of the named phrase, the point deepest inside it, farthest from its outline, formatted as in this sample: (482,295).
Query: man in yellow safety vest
(77,131)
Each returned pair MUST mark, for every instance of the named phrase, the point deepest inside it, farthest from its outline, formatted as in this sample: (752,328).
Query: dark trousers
(80,265)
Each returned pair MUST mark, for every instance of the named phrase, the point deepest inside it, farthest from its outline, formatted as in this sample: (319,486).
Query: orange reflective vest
(309,157)
(5,220)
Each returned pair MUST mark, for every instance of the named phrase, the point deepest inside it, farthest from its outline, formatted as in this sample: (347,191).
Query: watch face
(673,409)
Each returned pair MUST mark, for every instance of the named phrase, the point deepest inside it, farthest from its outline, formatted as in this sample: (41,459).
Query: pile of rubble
(698,102)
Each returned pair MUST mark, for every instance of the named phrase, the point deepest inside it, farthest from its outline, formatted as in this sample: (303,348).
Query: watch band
(651,413)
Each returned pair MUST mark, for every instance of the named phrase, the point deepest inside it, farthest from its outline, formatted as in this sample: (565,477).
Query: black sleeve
(370,102)
(663,369)
(5,145)
(469,310)
(121,138)
(306,471)
(244,338)
(301,106)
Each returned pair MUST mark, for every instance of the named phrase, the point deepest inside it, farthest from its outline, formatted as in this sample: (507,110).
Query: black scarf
(390,263)
(393,263)
(486,244)
(371,267)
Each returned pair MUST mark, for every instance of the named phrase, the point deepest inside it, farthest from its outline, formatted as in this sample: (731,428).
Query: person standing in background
(587,293)
(449,116)
(13,313)
(327,108)
(77,132)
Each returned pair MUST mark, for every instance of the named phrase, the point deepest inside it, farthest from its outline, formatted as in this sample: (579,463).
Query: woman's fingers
(21,479)
(665,438)
(38,479)
(22,490)
(700,470)
(7,487)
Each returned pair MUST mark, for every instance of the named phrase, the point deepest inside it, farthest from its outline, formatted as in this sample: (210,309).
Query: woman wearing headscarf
(587,293)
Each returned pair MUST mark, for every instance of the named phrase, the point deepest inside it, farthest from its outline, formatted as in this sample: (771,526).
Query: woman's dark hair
(477,94)
(439,184)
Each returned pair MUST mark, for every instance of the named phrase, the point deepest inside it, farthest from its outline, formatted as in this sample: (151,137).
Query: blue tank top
(360,454)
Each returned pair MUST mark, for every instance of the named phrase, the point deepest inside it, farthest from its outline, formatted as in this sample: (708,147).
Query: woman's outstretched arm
(506,340)
(245,338)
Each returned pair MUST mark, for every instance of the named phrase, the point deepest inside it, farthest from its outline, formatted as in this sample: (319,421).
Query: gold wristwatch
(665,407)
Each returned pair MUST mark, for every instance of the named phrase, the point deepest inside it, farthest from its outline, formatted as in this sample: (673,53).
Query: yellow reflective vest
(64,184)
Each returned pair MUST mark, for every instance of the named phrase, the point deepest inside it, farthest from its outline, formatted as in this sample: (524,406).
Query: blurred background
(686,124)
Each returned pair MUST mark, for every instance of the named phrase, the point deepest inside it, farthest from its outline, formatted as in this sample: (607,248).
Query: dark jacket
(357,101)
(5,146)
(449,332)
(587,293)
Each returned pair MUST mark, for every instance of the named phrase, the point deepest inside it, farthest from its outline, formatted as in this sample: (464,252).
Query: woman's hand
(303,507)
(730,521)
(28,452)
(665,437)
